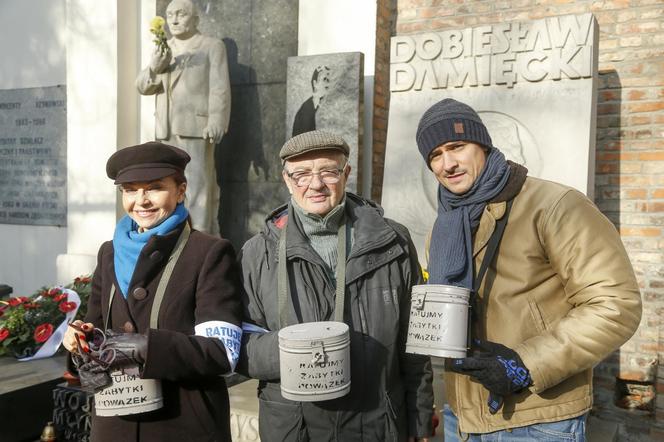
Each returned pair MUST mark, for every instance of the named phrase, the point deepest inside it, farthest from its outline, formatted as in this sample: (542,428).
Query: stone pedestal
(244,411)
(26,402)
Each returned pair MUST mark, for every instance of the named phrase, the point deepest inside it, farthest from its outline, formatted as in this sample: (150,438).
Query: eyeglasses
(147,191)
(303,178)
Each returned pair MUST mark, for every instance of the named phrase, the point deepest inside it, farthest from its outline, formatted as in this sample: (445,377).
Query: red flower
(67,306)
(82,280)
(30,305)
(13,302)
(4,333)
(60,297)
(54,292)
(43,332)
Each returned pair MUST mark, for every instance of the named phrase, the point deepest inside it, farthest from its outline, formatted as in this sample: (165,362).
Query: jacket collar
(492,213)
(495,209)
(370,230)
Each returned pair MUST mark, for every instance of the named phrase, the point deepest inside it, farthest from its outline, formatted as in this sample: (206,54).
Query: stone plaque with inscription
(326,92)
(532,83)
(33,156)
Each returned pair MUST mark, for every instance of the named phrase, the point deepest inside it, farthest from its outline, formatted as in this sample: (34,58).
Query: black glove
(128,348)
(94,376)
(498,368)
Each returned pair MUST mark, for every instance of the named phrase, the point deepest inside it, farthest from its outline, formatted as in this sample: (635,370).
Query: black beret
(146,162)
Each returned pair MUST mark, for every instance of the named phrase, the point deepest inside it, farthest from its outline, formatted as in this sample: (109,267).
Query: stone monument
(533,84)
(33,156)
(326,92)
(193,102)
(259,37)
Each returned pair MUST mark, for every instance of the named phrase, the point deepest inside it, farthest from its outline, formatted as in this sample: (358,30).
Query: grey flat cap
(310,141)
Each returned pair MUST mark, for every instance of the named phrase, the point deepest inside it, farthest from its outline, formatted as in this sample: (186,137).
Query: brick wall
(385,29)
(630,149)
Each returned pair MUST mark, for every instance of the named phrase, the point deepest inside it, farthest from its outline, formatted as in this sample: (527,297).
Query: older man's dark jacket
(205,286)
(391,393)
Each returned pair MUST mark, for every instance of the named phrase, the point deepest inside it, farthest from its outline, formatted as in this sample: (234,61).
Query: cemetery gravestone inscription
(33,156)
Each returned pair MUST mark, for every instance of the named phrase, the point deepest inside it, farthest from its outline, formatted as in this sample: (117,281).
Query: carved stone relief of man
(193,103)
(305,118)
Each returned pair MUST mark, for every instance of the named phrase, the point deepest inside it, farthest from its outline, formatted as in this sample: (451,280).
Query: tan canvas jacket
(561,292)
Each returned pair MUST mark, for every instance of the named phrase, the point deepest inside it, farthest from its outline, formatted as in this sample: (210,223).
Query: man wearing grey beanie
(552,289)
(330,255)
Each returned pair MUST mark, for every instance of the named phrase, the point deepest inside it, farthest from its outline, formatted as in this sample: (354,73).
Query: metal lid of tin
(440,289)
(304,335)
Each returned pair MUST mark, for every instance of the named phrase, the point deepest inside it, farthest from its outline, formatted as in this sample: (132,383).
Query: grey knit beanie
(450,120)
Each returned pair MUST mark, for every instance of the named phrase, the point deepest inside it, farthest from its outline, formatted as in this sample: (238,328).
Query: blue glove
(498,368)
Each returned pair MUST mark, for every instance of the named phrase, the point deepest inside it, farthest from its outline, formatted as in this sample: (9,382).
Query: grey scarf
(451,249)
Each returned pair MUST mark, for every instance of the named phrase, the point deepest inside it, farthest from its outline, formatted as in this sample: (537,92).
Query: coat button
(140,293)
(128,327)
(156,256)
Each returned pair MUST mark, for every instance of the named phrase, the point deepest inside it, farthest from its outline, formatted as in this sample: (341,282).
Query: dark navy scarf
(128,243)
(451,249)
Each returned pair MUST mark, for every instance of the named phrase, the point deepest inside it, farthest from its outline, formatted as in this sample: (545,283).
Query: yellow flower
(157,29)
(157,25)
(425,275)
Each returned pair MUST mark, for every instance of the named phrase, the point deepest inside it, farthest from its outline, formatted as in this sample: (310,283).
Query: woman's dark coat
(204,286)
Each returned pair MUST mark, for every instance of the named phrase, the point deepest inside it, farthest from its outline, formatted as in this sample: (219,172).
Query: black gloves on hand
(94,376)
(114,351)
(498,368)
(128,348)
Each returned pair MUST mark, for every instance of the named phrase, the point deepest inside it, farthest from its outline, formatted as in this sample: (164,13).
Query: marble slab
(33,156)
(340,109)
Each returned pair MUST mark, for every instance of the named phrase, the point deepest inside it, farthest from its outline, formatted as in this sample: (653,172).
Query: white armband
(248,327)
(230,335)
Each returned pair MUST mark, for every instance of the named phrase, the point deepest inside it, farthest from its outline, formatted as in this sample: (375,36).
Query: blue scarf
(451,249)
(128,243)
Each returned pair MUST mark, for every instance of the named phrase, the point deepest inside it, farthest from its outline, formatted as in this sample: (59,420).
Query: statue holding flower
(188,74)
(157,29)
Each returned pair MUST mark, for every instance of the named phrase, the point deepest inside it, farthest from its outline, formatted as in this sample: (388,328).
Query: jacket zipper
(363,319)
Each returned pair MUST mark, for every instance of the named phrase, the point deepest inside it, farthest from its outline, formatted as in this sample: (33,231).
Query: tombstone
(72,413)
(33,156)
(532,83)
(326,92)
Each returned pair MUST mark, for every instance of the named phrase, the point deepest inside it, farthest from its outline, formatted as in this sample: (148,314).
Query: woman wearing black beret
(170,296)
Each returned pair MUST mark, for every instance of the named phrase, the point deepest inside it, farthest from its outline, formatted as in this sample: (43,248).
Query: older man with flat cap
(391,395)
